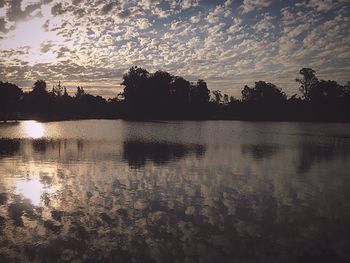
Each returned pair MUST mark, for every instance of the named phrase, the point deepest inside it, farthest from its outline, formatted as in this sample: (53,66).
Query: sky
(228,43)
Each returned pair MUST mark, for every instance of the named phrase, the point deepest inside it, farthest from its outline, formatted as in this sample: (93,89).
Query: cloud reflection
(192,198)
(30,189)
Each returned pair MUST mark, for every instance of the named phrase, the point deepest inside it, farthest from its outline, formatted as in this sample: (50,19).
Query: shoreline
(10,121)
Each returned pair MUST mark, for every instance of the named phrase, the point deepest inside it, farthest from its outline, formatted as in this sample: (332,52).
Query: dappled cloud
(227,43)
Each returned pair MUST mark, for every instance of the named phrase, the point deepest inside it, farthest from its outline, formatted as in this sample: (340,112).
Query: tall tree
(200,93)
(58,90)
(217,96)
(39,87)
(180,91)
(263,92)
(136,83)
(308,82)
(79,93)
(159,87)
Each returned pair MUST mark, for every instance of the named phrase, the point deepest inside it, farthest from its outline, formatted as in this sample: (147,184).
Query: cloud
(15,12)
(196,18)
(250,5)
(216,14)
(183,4)
(324,5)
(143,23)
(265,23)
(3,28)
(124,13)
(58,9)
(46,46)
(108,7)
(226,43)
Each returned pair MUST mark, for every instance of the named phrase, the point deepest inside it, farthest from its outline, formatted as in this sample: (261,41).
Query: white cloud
(250,5)
(325,5)
(214,41)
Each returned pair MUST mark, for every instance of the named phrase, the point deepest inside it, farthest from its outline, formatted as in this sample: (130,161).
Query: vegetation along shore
(161,95)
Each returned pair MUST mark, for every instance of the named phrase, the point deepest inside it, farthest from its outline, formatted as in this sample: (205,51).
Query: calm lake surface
(177,191)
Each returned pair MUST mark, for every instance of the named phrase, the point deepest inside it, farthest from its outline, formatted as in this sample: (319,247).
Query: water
(208,191)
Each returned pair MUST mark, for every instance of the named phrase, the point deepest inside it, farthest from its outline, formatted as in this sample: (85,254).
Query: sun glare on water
(33,129)
(38,181)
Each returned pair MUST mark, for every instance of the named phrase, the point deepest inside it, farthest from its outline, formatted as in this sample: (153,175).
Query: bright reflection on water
(33,129)
(214,191)
(30,189)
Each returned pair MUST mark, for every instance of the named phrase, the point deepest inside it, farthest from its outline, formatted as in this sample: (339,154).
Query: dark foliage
(10,99)
(308,82)
(161,95)
(263,93)
(57,104)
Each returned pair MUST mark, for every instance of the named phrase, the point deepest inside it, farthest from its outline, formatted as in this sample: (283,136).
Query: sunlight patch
(33,129)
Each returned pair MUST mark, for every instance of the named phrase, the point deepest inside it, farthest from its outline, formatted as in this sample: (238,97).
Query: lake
(174,191)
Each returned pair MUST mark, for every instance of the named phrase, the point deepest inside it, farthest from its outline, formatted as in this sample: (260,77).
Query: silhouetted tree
(159,90)
(39,87)
(217,96)
(58,90)
(180,91)
(308,82)
(263,93)
(10,98)
(79,93)
(226,99)
(233,100)
(200,93)
(38,101)
(265,101)
(347,93)
(163,95)
(326,92)
(136,83)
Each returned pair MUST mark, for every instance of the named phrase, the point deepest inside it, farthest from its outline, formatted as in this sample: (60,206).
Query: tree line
(161,95)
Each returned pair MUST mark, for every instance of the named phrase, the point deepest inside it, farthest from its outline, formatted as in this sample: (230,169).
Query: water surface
(208,191)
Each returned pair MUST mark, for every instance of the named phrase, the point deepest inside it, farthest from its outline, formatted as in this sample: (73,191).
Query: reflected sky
(30,189)
(34,180)
(257,192)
